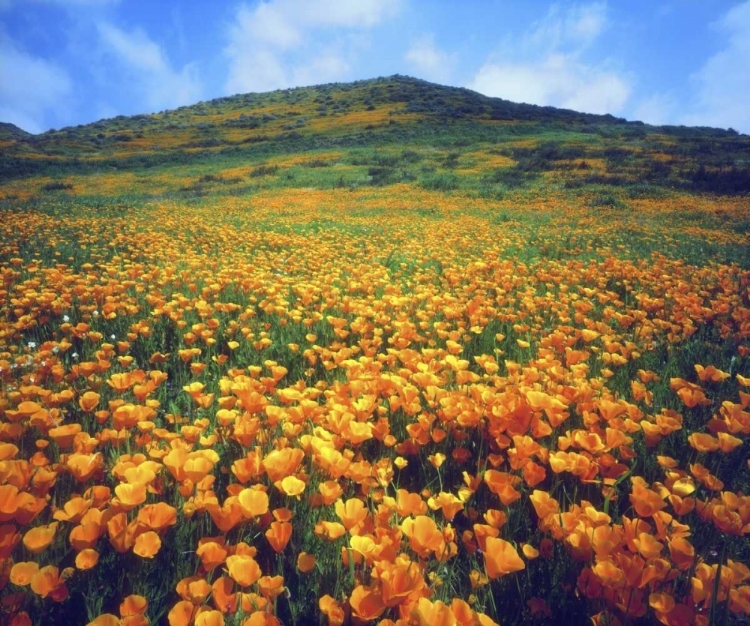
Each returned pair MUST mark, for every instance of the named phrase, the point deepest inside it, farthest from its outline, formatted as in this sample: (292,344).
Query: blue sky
(68,62)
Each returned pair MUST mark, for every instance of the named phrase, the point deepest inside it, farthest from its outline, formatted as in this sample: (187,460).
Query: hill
(384,113)
(384,352)
(12,132)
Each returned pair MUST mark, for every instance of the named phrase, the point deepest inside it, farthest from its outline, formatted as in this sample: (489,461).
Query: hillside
(11,132)
(386,113)
(376,353)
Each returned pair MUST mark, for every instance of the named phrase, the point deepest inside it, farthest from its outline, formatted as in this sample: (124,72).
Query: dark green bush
(440,182)
(57,185)
(264,170)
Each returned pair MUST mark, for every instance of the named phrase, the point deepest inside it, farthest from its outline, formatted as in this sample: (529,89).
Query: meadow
(374,361)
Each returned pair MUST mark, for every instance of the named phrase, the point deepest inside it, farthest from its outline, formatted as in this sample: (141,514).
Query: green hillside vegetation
(381,352)
(369,120)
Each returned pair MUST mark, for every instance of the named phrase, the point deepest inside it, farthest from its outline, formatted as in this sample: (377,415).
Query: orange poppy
(195,589)
(705,477)
(181,614)
(362,547)
(253,502)
(501,484)
(175,462)
(73,510)
(331,491)
(609,574)
(262,618)
(306,562)
(728,442)
(84,466)
(211,554)
(87,558)
(710,373)
(481,532)
(28,507)
(703,442)
(130,495)
(147,544)
(21,573)
(278,535)
(501,558)
(529,551)
(243,569)
(8,451)
(89,401)
(223,595)
(351,513)
(409,503)
(366,603)
(645,501)
(332,610)
(226,516)
(158,516)
(24,410)
(692,395)
(401,581)
(63,435)
(122,382)
(330,530)
(142,473)
(661,602)
(209,618)
(648,546)
(120,534)
(271,586)
(533,473)
(428,613)
(38,539)
(133,605)
(86,534)
(46,581)
(292,486)
(279,464)
(424,535)
(496,519)
(447,502)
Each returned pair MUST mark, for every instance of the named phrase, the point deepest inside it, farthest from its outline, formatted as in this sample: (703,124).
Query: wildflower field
(481,374)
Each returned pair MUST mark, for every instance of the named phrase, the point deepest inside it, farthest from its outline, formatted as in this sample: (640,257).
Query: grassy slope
(377,165)
(373,134)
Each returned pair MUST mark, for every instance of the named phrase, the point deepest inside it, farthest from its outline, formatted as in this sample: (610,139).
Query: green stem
(717,585)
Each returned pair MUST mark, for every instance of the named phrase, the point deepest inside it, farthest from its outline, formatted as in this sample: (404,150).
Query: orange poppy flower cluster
(406,424)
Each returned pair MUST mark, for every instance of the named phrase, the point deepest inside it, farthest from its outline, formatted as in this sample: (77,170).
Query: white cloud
(342,13)
(722,85)
(269,24)
(656,109)
(585,23)
(274,45)
(577,27)
(549,66)
(33,90)
(557,80)
(255,70)
(134,49)
(429,61)
(321,69)
(158,84)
